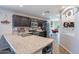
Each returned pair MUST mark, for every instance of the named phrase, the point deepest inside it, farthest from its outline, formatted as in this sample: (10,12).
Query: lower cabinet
(43,34)
(48,49)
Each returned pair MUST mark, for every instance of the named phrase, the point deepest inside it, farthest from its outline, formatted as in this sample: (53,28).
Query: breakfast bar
(30,44)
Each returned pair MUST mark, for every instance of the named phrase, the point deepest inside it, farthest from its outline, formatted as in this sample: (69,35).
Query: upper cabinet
(19,21)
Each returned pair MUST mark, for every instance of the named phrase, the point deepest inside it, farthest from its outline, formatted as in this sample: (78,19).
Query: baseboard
(66,49)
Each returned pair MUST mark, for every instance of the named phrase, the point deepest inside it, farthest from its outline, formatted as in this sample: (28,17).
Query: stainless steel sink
(27,34)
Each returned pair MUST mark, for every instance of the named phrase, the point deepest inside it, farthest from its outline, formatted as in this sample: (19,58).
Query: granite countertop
(27,45)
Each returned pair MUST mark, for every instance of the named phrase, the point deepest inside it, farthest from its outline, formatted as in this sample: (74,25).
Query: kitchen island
(30,44)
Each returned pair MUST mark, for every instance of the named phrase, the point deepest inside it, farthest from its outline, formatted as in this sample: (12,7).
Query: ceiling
(35,10)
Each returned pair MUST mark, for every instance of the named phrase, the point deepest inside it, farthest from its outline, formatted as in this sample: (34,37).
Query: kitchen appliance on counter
(33,26)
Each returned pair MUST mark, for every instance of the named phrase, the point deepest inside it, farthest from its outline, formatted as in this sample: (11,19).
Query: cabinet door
(21,21)
(24,21)
(16,20)
(29,22)
(40,23)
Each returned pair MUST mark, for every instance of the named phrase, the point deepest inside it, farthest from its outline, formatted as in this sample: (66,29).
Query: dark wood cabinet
(19,21)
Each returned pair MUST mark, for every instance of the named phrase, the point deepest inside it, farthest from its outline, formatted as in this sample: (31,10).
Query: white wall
(76,38)
(5,27)
(67,41)
(70,39)
(67,36)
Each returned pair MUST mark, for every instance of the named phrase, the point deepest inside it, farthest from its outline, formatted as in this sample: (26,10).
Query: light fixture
(20,5)
(70,11)
(43,14)
(46,13)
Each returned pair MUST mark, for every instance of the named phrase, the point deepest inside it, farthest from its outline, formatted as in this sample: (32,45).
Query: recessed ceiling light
(20,5)
(63,7)
(45,13)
